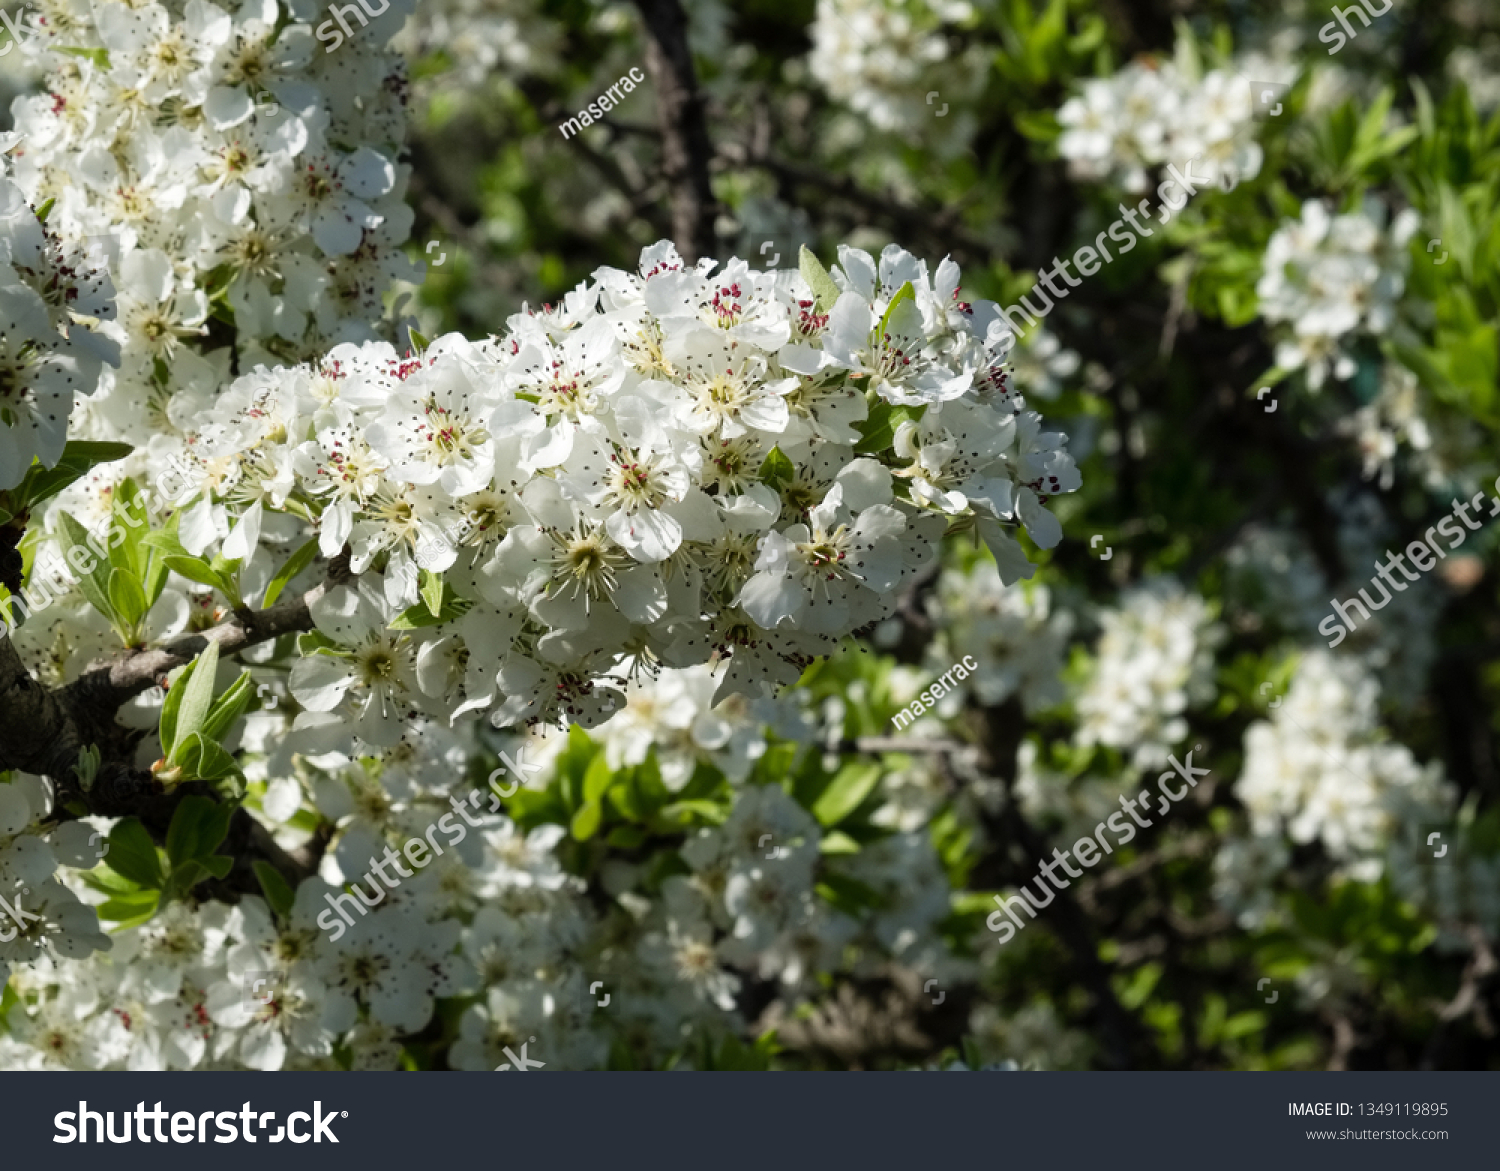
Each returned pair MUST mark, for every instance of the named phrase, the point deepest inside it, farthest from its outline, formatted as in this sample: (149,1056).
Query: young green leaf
(228,708)
(586,821)
(295,564)
(202,759)
(278,892)
(197,695)
(597,778)
(165,540)
(195,569)
(198,826)
(849,787)
(878,431)
(94,582)
(131,912)
(78,459)
(132,854)
(127,598)
(900,313)
(824,291)
(418,616)
(777,470)
(432,592)
(129,514)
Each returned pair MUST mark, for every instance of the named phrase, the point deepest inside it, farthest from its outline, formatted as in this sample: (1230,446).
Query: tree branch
(686,149)
(43,729)
(37,730)
(110,685)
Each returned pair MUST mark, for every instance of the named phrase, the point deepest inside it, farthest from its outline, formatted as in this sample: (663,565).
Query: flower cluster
(230,174)
(1014,633)
(883,57)
(497,925)
(1318,771)
(1151,114)
(481,40)
(1328,276)
(41,920)
(52,303)
(662,471)
(674,716)
(1154,660)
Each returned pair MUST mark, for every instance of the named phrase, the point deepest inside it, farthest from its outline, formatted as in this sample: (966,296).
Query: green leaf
(295,564)
(596,780)
(903,295)
(878,431)
(155,580)
(126,597)
(198,826)
(219,865)
(776,470)
(99,57)
(197,687)
(626,837)
(278,892)
(77,460)
(849,787)
(847,894)
(682,813)
(167,729)
(95,582)
(228,708)
(165,540)
(202,759)
(228,572)
(130,505)
(432,593)
(128,913)
(132,854)
(586,820)
(195,569)
(183,878)
(824,291)
(415,617)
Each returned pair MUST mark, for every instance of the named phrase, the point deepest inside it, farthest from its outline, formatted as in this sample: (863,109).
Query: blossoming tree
(468,674)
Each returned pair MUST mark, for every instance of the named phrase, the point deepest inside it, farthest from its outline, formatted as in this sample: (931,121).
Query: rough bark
(686,148)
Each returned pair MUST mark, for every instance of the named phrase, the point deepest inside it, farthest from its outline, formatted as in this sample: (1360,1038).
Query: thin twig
(873,744)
